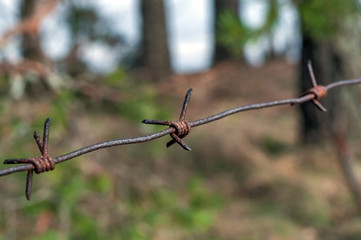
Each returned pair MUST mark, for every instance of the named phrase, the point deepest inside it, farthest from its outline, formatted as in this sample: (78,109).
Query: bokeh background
(97,68)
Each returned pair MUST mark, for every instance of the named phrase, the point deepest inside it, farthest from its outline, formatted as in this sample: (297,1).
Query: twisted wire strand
(150,137)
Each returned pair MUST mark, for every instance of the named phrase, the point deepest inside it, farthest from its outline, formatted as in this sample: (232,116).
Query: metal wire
(308,96)
(162,133)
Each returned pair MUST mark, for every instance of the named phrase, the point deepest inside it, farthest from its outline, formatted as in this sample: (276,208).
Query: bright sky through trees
(189,25)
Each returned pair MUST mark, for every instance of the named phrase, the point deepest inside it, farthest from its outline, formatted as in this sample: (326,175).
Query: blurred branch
(32,24)
(177,129)
(24,66)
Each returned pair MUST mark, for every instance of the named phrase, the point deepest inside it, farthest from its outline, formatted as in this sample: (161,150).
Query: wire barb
(181,127)
(41,164)
(318,91)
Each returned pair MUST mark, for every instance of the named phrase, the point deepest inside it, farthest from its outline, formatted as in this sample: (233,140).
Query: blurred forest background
(97,69)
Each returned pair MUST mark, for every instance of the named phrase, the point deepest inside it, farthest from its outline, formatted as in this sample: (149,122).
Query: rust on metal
(43,163)
(318,91)
(181,127)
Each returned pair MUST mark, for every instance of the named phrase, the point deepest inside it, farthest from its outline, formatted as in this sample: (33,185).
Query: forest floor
(247,176)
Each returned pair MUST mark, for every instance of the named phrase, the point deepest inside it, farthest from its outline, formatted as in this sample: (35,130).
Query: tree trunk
(31,43)
(154,53)
(334,57)
(327,66)
(220,52)
(347,43)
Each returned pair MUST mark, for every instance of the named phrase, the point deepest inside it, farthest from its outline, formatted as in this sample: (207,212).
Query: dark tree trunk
(327,67)
(220,52)
(333,58)
(309,119)
(154,43)
(31,43)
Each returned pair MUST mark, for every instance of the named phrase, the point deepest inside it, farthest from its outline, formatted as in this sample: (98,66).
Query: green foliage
(4,84)
(272,16)
(166,208)
(101,184)
(200,213)
(117,78)
(270,215)
(84,21)
(293,202)
(49,235)
(70,189)
(193,209)
(273,146)
(136,109)
(85,227)
(322,18)
(61,106)
(142,103)
(233,34)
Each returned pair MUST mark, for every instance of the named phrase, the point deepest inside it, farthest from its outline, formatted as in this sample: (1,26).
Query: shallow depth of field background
(97,70)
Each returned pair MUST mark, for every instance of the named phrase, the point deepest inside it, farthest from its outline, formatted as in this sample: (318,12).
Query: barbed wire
(176,129)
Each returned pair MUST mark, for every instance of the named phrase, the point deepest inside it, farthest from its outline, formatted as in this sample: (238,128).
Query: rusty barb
(318,91)
(41,164)
(177,130)
(181,128)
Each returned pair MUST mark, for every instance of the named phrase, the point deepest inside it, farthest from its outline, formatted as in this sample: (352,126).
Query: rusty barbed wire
(42,163)
(182,127)
(177,130)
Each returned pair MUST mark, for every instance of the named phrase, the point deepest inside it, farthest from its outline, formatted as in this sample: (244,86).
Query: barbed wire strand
(162,133)
(176,129)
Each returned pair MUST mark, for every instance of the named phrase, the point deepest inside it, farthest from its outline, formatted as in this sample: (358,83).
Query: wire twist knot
(181,127)
(43,163)
(318,91)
